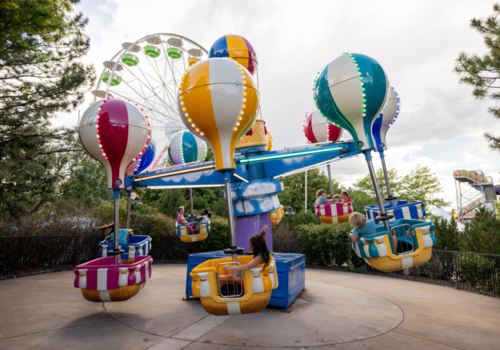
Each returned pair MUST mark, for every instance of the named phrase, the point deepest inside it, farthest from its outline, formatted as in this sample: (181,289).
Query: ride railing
(22,256)
(476,175)
(471,206)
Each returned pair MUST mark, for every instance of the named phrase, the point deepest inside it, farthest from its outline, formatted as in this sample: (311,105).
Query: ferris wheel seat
(334,213)
(130,60)
(100,280)
(152,51)
(193,60)
(378,250)
(277,216)
(174,52)
(258,284)
(115,81)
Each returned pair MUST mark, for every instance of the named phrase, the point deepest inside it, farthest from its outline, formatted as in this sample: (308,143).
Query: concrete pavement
(338,311)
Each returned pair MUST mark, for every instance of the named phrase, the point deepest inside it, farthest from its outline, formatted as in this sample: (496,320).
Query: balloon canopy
(218,102)
(186,148)
(115,133)
(146,159)
(386,119)
(318,129)
(270,140)
(171,128)
(351,92)
(237,47)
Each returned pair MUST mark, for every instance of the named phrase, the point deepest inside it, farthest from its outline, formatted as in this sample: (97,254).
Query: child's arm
(256,261)
(264,230)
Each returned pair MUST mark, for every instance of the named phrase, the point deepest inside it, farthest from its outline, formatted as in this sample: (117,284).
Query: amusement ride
(164,100)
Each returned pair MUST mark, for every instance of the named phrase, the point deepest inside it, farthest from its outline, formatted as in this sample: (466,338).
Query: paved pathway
(338,311)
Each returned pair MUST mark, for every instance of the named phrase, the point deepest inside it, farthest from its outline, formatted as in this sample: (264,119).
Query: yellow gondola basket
(378,252)
(277,216)
(258,284)
(183,232)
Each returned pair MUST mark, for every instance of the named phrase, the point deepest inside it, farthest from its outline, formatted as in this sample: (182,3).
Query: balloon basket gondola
(101,280)
(258,284)
(334,213)
(402,209)
(380,253)
(136,246)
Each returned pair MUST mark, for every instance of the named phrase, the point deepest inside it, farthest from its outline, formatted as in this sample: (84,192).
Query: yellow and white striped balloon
(218,101)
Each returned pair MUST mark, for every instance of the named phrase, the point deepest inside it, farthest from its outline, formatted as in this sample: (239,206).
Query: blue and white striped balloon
(386,119)
(186,148)
(351,91)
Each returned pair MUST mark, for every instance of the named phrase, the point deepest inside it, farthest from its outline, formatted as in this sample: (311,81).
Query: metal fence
(21,256)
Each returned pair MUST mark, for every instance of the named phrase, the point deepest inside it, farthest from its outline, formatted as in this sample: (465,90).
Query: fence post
(456,270)
(18,255)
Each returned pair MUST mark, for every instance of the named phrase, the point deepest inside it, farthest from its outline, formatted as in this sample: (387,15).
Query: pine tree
(482,72)
(40,44)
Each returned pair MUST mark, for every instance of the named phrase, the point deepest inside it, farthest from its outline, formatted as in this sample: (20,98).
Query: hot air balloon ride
(117,134)
(185,148)
(352,91)
(218,101)
(318,129)
(237,48)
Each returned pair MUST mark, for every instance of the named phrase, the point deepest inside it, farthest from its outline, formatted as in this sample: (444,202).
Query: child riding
(261,254)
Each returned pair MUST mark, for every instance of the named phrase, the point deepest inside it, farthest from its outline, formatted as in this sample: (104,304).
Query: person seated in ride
(344,196)
(321,197)
(182,221)
(261,254)
(122,235)
(205,215)
(364,227)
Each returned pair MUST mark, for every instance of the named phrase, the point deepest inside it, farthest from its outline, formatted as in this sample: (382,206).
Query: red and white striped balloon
(115,133)
(318,129)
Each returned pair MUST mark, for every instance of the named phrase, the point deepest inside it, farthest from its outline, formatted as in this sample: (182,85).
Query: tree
(422,185)
(365,185)
(86,182)
(293,194)
(482,233)
(40,43)
(482,72)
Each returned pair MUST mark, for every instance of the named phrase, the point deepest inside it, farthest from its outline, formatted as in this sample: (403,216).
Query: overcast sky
(416,42)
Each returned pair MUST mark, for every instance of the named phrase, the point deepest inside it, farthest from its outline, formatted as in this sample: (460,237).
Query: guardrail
(22,256)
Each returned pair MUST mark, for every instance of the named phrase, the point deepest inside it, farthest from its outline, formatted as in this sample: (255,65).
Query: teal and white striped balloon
(186,148)
(351,91)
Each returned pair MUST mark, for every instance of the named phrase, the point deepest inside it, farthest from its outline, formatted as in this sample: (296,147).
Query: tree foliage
(40,44)
(482,71)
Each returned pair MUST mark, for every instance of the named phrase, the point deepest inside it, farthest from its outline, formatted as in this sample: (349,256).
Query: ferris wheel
(148,72)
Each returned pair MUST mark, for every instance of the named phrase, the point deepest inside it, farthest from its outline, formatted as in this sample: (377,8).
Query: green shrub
(144,220)
(338,233)
(218,238)
(480,272)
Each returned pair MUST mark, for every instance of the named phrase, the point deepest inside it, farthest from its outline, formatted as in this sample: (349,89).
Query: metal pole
(383,216)
(306,194)
(232,236)
(390,197)
(191,199)
(330,179)
(117,228)
(129,200)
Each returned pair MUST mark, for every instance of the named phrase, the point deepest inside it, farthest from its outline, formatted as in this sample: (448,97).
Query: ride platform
(291,276)
(339,310)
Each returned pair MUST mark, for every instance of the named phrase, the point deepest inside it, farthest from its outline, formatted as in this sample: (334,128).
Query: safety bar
(237,275)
